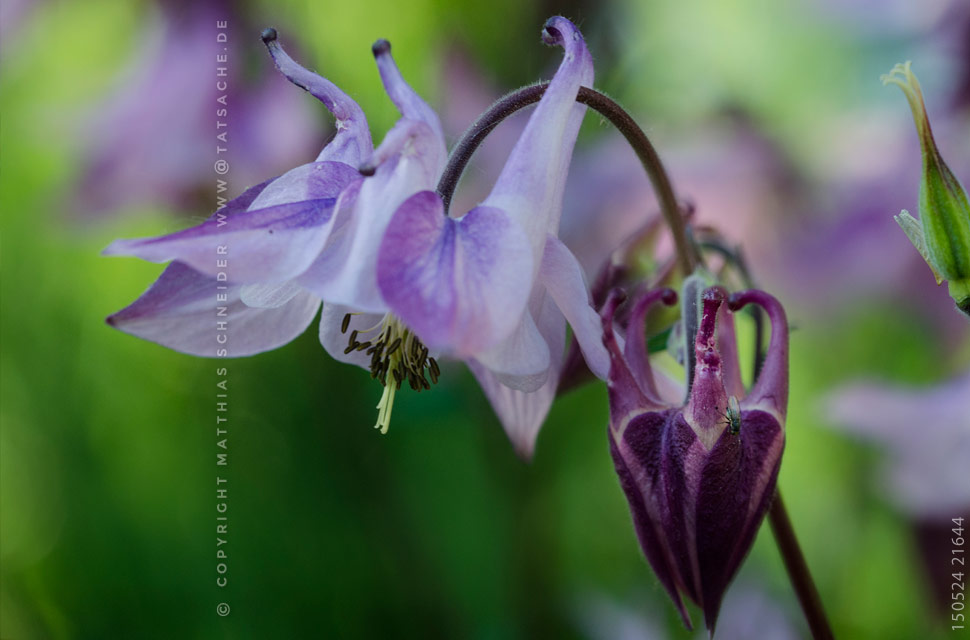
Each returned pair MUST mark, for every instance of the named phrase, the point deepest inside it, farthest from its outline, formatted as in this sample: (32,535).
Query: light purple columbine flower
(495,287)
(700,477)
(252,252)
(401,280)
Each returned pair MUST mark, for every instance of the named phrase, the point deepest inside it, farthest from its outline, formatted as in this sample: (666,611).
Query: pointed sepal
(943,236)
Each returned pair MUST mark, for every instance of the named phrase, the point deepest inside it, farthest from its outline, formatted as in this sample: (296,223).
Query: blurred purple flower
(749,613)
(732,177)
(893,17)
(152,138)
(252,251)
(700,477)
(850,250)
(13,15)
(925,435)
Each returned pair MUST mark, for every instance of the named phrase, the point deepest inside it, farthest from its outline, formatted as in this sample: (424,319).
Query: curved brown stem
(613,112)
(798,573)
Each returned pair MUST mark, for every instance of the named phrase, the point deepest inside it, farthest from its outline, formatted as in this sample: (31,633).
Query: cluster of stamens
(397,355)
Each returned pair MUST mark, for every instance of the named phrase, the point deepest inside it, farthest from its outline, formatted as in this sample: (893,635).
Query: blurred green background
(108,443)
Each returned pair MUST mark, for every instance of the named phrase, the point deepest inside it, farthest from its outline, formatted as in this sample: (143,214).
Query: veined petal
(739,465)
(531,184)
(563,277)
(352,142)
(268,296)
(184,310)
(409,103)
(682,459)
(244,200)
(522,413)
(312,181)
(271,244)
(637,453)
(521,361)
(456,283)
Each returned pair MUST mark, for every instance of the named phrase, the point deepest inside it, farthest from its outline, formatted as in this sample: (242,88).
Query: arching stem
(798,573)
(609,109)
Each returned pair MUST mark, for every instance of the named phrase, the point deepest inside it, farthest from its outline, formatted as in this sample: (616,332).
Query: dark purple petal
(637,457)
(262,244)
(696,511)
(683,456)
(635,350)
(770,390)
(457,283)
(352,142)
(736,489)
(698,491)
(626,396)
(196,314)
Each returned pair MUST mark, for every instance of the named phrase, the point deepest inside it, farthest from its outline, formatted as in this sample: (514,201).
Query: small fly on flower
(732,415)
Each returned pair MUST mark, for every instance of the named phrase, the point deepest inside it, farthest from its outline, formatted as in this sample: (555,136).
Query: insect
(732,416)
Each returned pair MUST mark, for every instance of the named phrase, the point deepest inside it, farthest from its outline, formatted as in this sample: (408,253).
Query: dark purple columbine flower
(699,477)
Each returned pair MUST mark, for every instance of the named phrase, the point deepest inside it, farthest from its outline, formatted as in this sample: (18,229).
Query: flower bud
(942,233)
(700,477)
